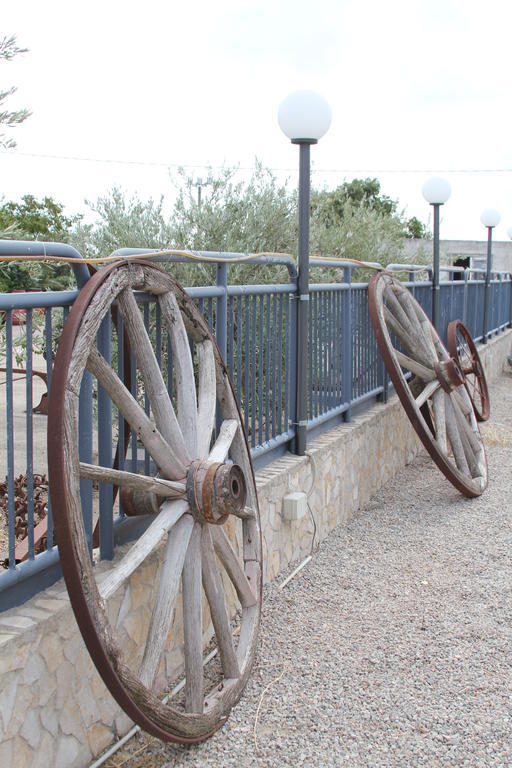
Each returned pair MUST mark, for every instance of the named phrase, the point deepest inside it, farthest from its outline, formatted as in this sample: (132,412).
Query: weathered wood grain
(154,384)
(212,585)
(163,609)
(193,624)
(167,488)
(166,459)
(234,569)
(170,513)
(207,397)
(184,367)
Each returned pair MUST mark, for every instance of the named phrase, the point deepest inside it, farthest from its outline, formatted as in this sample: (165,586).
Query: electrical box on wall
(294,505)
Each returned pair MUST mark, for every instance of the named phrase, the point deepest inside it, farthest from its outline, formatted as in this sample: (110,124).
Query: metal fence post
(346,344)
(487,285)
(221,324)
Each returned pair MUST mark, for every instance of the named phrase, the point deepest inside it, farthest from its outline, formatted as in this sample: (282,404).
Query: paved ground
(393,647)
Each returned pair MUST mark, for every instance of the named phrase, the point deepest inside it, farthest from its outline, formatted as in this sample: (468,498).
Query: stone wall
(54,708)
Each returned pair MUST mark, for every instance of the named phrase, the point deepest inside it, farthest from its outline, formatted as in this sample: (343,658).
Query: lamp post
(490,218)
(304,117)
(436,191)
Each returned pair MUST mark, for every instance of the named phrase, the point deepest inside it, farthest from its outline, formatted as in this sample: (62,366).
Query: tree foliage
(32,219)
(10,118)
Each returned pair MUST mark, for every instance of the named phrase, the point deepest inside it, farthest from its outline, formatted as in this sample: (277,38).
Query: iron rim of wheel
(462,348)
(435,398)
(194,518)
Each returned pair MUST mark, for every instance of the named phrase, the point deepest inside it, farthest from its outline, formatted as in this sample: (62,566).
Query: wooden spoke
(454,437)
(193,623)
(427,392)
(168,585)
(227,432)
(231,563)
(465,426)
(207,399)
(170,513)
(413,346)
(425,374)
(214,594)
(167,461)
(438,408)
(183,364)
(161,405)
(158,485)
(410,329)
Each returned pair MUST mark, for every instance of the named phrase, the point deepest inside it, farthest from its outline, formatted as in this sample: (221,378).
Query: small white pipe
(295,572)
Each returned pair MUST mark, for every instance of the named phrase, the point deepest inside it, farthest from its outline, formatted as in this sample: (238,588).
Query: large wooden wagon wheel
(203,498)
(462,349)
(433,396)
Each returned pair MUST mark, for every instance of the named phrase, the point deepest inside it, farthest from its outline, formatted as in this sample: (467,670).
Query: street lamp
(303,116)
(436,191)
(490,218)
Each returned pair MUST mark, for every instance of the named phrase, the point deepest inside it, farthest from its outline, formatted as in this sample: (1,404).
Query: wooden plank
(154,384)
(184,367)
(438,407)
(412,344)
(465,426)
(425,374)
(233,567)
(454,438)
(163,609)
(193,624)
(221,447)
(170,513)
(427,392)
(164,456)
(212,585)
(167,488)
(207,398)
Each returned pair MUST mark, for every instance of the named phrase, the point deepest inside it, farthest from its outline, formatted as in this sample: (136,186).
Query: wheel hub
(215,490)
(449,374)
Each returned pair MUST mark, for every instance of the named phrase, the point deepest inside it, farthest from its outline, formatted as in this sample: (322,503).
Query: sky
(133,90)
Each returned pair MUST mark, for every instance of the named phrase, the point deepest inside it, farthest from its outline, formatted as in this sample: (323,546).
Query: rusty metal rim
(406,398)
(482,409)
(63,533)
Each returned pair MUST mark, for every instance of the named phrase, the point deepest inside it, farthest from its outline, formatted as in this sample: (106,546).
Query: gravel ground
(393,647)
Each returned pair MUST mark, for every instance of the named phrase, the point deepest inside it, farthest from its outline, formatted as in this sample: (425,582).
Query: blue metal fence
(255,329)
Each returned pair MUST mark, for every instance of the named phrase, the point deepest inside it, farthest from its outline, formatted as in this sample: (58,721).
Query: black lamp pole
(487,286)
(303,293)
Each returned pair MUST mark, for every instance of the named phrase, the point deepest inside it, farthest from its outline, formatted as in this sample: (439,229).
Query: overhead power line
(162,164)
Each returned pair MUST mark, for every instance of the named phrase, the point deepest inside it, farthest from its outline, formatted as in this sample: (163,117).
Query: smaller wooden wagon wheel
(203,500)
(433,392)
(463,350)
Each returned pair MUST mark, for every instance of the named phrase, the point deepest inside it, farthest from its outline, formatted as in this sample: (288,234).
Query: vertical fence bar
(48,340)
(288,311)
(260,371)
(29,435)
(9,394)
(253,369)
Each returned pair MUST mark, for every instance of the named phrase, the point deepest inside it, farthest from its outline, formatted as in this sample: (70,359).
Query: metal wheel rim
(423,418)
(462,348)
(156,718)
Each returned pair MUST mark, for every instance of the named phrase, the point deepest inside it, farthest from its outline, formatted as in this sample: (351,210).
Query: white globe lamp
(436,190)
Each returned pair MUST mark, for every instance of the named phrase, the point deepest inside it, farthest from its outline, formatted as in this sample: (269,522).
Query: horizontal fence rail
(255,328)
